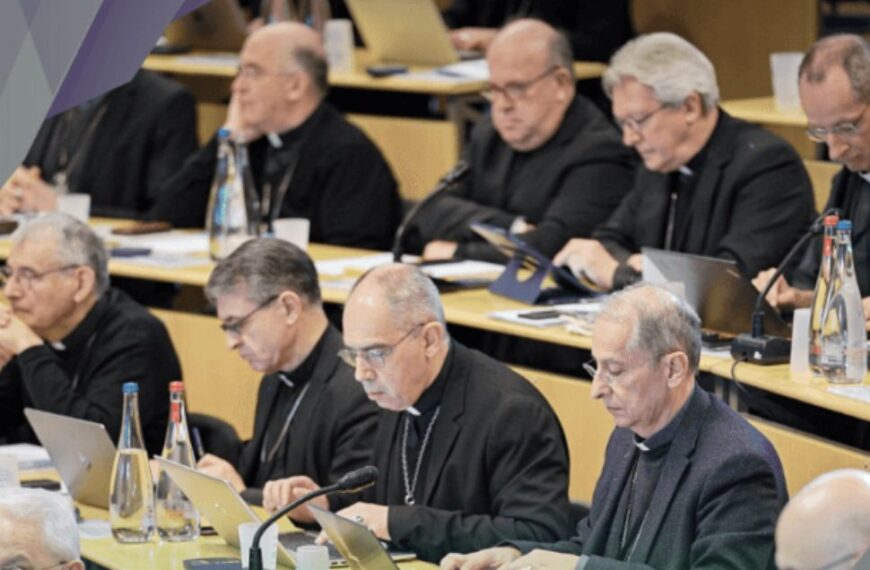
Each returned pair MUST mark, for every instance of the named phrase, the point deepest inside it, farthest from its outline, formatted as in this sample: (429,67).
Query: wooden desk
(167,556)
(763,111)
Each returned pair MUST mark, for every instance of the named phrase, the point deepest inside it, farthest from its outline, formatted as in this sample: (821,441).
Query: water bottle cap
(224,134)
(844,225)
(176,386)
(832,220)
(130,388)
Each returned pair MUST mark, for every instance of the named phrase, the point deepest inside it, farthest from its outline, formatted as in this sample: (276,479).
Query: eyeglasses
(636,125)
(517,89)
(845,129)
(235,328)
(376,356)
(27,277)
(591,368)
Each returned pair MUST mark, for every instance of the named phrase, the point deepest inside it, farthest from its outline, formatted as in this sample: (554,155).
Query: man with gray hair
(834,89)
(312,418)
(827,524)
(306,160)
(37,531)
(709,185)
(469,452)
(68,341)
(686,483)
(546,165)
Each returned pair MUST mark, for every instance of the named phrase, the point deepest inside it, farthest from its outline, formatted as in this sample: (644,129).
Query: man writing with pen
(312,418)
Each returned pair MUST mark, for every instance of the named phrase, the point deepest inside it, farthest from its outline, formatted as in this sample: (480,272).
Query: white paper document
(858,392)
(549,316)
(29,456)
(461,269)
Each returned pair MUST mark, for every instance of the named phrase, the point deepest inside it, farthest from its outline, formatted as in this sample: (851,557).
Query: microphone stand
(758,347)
(459,172)
(350,483)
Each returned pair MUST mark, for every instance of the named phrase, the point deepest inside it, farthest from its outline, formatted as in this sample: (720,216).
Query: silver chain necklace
(411,485)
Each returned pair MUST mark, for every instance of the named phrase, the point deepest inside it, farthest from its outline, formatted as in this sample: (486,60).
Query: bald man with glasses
(469,452)
(834,90)
(312,418)
(546,164)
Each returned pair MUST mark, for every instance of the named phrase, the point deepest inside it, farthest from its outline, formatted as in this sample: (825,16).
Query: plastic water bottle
(177,518)
(844,350)
(131,497)
(228,222)
(820,294)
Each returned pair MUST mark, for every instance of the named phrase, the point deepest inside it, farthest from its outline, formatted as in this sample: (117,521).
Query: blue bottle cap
(224,134)
(844,225)
(130,388)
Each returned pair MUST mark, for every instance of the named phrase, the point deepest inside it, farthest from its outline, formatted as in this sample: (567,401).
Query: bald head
(293,46)
(827,520)
(408,293)
(846,52)
(532,41)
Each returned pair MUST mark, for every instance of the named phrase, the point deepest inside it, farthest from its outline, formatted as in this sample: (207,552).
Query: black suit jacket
(147,132)
(566,187)
(498,465)
(752,202)
(716,503)
(332,432)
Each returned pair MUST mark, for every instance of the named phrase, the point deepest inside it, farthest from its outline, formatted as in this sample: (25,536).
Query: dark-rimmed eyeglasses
(517,89)
(375,356)
(636,124)
(845,129)
(235,327)
(27,277)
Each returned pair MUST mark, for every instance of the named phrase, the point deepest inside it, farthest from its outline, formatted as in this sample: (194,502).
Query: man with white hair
(709,185)
(827,524)
(68,341)
(469,452)
(687,482)
(37,531)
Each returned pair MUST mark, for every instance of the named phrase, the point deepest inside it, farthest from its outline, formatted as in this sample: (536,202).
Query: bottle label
(175,412)
(826,247)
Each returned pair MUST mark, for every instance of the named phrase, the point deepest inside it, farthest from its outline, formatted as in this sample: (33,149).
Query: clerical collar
(865,175)
(666,435)
(302,373)
(431,397)
(696,164)
(289,137)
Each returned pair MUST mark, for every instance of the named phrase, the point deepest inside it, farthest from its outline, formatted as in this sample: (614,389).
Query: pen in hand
(197,443)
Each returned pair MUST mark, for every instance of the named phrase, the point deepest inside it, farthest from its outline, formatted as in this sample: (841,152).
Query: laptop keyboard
(293,540)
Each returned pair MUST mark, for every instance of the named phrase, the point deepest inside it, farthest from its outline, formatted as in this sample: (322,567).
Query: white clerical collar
(275,140)
(58,345)
(686,171)
(413,411)
(865,175)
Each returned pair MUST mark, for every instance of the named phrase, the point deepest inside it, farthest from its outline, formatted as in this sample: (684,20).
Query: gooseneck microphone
(757,347)
(352,482)
(458,172)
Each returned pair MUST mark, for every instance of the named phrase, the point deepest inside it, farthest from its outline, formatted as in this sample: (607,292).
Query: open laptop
(219,25)
(723,297)
(403,31)
(81,451)
(360,547)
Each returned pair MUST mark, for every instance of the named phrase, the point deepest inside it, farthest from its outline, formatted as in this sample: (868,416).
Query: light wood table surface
(763,111)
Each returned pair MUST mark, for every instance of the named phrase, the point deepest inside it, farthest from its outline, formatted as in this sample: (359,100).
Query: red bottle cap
(832,220)
(176,386)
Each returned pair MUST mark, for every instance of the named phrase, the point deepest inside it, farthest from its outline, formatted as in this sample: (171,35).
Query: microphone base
(762,350)
(255,559)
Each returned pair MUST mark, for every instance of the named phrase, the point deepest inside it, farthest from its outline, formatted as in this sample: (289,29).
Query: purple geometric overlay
(55,55)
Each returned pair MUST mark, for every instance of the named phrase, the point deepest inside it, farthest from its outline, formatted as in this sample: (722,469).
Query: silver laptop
(403,31)
(723,297)
(360,547)
(218,25)
(81,451)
